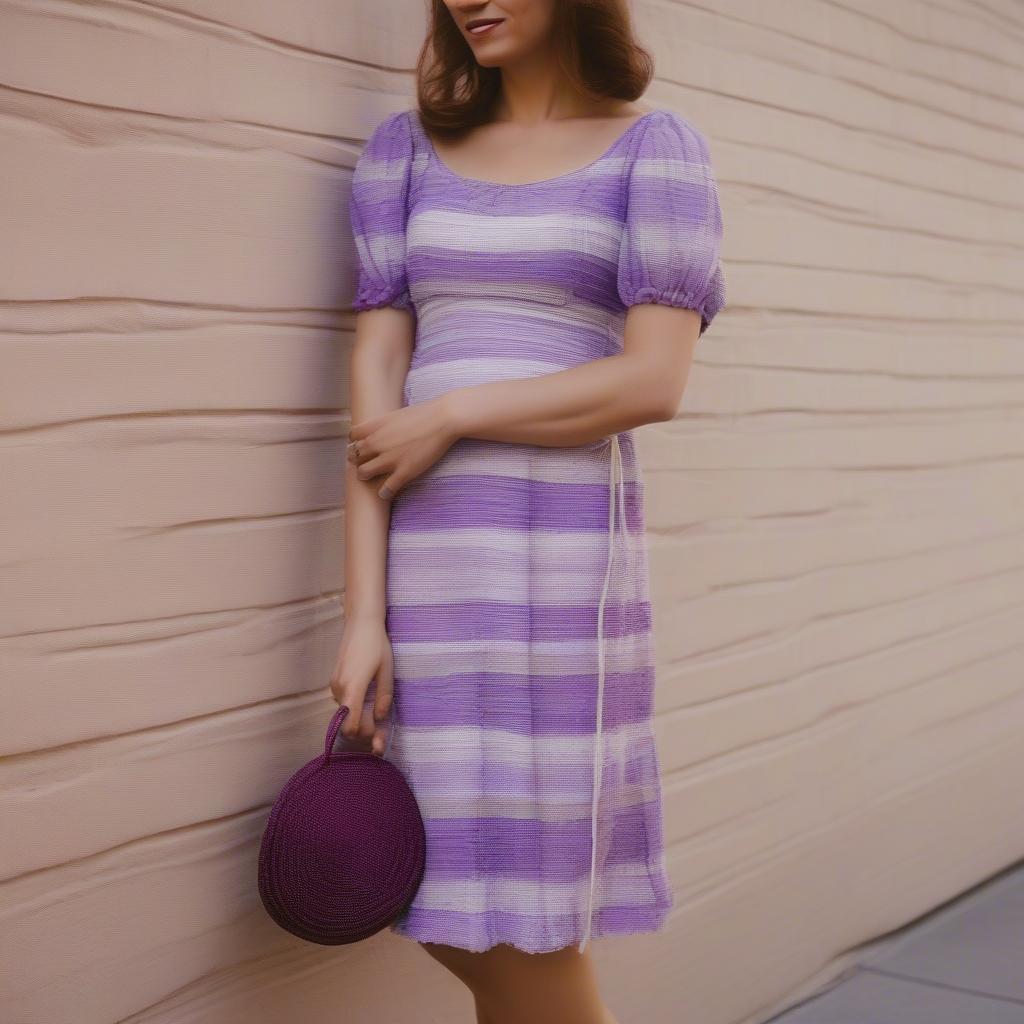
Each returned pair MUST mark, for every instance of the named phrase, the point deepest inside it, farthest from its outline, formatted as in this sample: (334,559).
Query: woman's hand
(365,654)
(402,443)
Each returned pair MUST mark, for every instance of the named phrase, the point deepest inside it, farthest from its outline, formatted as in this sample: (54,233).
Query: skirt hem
(607,922)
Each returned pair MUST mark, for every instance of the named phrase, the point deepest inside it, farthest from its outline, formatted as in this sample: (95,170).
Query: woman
(536,258)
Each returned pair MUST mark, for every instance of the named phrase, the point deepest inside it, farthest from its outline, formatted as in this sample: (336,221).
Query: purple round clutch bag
(344,849)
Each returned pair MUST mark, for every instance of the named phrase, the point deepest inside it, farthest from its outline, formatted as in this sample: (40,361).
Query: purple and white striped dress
(517,580)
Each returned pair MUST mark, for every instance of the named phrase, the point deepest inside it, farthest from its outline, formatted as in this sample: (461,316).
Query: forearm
(568,407)
(366,530)
(378,371)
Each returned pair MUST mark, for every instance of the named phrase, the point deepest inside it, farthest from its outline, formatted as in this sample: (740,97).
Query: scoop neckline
(445,169)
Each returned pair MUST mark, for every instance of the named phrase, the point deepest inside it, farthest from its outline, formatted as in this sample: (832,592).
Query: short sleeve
(377,213)
(669,252)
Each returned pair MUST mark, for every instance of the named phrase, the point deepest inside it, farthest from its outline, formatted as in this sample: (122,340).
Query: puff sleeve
(377,213)
(669,251)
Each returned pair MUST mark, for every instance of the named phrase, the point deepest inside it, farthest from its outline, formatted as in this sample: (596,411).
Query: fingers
(367,728)
(382,706)
(359,452)
(368,465)
(360,737)
(363,681)
(377,466)
(359,725)
(359,721)
(360,728)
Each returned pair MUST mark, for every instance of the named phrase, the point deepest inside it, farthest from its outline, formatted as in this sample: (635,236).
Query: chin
(494,56)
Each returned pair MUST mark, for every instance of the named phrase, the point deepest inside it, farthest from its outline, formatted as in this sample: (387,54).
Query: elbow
(651,408)
(665,412)
(668,410)
(661,405)
(656,392)
(648,406)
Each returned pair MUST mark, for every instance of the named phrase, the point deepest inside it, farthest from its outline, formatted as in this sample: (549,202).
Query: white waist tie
(615,482)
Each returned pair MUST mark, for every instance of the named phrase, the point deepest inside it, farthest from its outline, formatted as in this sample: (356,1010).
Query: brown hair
(599,56)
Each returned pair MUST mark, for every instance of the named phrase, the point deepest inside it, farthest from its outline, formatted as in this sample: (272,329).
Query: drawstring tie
(615,483)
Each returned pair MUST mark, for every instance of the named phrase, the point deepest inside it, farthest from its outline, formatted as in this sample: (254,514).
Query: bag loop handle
(332,730)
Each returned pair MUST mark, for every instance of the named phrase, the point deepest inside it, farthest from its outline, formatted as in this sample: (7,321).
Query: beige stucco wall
(835,518)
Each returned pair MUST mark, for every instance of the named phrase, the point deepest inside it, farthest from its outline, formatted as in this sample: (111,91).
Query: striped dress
(517,580)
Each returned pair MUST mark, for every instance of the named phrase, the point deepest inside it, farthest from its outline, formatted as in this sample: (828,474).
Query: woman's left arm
(642,384)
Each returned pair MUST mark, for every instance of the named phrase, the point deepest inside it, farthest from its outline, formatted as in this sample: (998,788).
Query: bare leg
(463,964)
(482,1016)
(510,986)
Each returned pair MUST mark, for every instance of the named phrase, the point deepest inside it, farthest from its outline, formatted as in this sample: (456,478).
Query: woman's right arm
(381,355)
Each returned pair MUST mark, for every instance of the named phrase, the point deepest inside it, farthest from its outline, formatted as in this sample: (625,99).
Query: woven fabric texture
(517,581)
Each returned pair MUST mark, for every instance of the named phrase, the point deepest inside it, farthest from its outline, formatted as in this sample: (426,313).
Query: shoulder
(392,138)
(668,134)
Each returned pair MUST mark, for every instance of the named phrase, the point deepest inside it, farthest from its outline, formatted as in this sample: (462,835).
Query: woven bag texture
(344,849)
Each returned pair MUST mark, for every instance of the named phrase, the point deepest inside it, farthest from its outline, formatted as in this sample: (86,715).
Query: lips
(478,26)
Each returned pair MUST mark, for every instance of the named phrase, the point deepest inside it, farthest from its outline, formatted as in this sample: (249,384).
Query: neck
(532,90)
